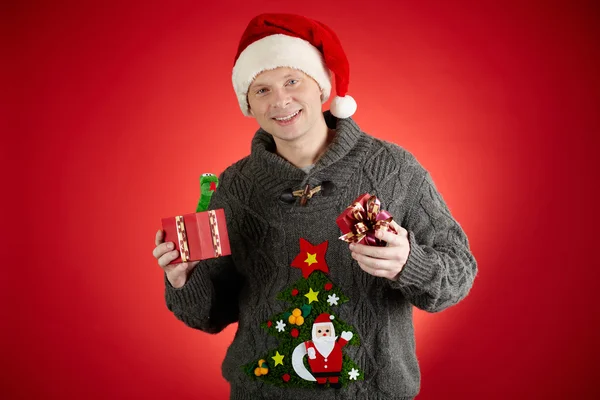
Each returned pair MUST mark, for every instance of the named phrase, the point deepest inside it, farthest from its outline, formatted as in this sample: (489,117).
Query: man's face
(285,102)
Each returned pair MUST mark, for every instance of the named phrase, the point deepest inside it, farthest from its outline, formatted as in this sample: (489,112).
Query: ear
(249,108)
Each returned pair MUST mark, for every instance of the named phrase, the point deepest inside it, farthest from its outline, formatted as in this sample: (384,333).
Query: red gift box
(198,236)
(361,219)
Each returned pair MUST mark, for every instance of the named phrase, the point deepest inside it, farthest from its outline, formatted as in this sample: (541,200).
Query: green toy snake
(208,185)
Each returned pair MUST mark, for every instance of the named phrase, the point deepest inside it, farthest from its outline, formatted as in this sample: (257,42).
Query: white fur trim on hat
(273,52)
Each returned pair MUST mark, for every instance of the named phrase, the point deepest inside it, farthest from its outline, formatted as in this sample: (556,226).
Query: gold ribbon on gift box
(183,241)
(184,250)
(214,232)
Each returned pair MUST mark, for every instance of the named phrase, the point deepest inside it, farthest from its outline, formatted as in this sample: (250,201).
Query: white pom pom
(331,317)
(343,107)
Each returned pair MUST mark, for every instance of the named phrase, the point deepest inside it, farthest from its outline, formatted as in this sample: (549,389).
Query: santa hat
(286,40)
(323,320)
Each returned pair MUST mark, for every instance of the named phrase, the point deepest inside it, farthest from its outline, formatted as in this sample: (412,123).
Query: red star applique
(213,187)
(311,258)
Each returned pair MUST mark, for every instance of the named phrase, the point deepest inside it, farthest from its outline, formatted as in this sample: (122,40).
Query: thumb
(183,267)
(188,265)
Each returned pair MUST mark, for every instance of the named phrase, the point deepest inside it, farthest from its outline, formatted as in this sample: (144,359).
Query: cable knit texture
(264,234)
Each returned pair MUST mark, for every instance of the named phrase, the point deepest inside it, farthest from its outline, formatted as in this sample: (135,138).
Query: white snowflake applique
(280,326)
(353,374)
(332,299)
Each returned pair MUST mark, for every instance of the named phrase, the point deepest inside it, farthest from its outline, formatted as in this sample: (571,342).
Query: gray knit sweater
(264,234)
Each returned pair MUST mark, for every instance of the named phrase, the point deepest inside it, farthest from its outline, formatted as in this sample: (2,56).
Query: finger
(373,251)
(380,273)
(374,263)
(159,237)
(402,232)
(166,258)
(389,237)
(396,226)
(162,248)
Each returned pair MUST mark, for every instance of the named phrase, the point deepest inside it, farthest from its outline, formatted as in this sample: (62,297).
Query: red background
(115,109)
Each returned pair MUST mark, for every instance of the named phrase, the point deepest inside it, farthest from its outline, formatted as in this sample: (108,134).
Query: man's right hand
(177,274)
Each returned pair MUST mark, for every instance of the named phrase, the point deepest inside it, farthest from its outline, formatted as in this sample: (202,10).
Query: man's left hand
(384,262)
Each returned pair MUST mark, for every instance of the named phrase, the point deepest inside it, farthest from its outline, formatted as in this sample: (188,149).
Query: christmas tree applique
(310,352)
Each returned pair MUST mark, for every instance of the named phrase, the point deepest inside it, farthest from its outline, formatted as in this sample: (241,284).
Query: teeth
(288,117)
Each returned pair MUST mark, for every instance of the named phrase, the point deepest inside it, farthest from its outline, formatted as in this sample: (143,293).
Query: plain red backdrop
(113,110)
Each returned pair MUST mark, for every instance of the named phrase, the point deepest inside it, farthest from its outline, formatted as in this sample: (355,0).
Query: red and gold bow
(366,218)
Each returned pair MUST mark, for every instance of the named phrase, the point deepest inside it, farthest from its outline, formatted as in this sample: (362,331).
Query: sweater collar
(276,173)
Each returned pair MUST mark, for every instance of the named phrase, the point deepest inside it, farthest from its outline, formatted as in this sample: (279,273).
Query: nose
(281,98)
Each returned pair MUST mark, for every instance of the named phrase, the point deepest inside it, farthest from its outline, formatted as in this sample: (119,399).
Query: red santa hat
(324,318)
(286,40)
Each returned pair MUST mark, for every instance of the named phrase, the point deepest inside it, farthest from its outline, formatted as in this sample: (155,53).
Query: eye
(261,91)
(292,81)
(327,330)
(319,331)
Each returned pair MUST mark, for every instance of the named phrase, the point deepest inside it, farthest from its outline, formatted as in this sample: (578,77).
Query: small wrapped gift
(198,236)
(362,219)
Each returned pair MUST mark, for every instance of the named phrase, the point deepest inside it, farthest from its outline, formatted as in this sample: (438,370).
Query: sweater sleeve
(209,299)
(440,268)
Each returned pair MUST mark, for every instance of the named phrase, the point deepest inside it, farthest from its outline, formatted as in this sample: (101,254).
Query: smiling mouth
(287,118)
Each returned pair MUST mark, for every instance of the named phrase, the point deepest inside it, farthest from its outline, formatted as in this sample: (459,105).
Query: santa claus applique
(324,353)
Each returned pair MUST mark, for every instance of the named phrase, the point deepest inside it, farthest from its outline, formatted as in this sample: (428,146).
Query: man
(282,77)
